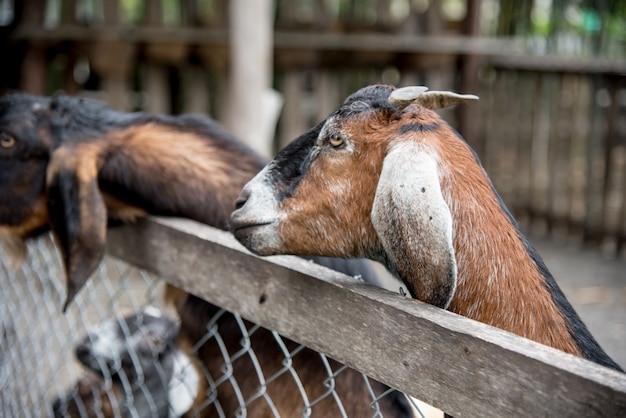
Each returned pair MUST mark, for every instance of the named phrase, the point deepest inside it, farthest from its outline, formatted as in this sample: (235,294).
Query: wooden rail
(464,367)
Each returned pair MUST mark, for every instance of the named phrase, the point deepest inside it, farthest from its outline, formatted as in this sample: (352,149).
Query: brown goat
(72,165)
(136,369)
(384,177)
(91,397)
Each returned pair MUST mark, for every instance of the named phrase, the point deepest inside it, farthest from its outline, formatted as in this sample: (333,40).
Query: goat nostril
(82,350)
(241,200)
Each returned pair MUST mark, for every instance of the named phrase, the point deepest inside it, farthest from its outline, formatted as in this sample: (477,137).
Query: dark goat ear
(77,211)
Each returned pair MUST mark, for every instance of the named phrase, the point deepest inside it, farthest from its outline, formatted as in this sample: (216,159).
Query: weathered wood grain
(459,365)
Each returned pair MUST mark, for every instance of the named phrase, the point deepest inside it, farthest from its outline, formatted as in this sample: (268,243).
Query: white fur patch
(183,386)
(153,311)
(411,216)
(260,208)
(105,341)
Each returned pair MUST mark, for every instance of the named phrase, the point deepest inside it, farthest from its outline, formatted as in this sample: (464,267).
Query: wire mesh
(117,351)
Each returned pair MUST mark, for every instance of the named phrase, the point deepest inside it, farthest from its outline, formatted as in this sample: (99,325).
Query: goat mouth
(258,237)
(243,229)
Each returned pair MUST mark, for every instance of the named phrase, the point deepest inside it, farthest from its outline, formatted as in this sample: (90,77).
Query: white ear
(414,224)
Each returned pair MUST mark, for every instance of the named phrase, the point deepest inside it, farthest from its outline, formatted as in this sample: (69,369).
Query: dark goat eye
(335,140)
(7,141)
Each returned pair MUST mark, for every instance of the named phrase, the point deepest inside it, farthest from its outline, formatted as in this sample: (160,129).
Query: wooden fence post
(33,69)
(251,104)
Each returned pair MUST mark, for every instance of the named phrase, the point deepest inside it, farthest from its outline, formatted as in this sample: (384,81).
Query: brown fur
(342,201)
(508,291)
(197,176)
(92,397)
(283,391)
(35,219)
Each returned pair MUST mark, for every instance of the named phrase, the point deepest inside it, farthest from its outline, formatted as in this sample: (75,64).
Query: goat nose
(82,350)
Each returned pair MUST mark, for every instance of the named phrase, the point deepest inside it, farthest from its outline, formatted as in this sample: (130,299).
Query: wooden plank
(459,365)
(502,52)
(564,64)
(294,40)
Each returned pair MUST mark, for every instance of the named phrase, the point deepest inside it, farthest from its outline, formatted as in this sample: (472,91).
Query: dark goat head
(50,182)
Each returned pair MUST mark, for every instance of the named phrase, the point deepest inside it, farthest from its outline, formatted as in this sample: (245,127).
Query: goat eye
(335,140)
(7,141)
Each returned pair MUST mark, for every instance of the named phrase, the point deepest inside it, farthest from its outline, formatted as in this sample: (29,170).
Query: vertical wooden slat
(533,206)
(621,226)
(251,57)
(503,146)
(555,154)
(156,88)
(110,12)
(487,98)
(579,128)
(153,13)
(68,12)
(156,78)
(523,170)
(593,199)
(468,116)
(34,65)
(326,94)
(292,122)
(198,91)
(189,13)
(607,175)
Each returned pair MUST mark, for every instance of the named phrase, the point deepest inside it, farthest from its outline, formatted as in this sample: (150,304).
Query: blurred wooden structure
(550,131)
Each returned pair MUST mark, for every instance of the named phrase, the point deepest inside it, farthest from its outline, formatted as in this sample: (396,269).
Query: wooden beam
(299,40)
(501,52)
(462,366)
(560,64)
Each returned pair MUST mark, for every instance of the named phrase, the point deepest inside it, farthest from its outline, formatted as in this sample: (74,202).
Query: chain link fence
(116,352)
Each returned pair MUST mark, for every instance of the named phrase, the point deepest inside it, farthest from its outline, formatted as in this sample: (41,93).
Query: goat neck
(384,177)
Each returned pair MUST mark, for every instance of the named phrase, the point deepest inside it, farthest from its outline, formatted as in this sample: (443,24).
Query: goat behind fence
(463,366)
(42,350)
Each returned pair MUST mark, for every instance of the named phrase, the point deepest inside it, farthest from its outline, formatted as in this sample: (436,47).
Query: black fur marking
(377,97)
(418,127)
(292,162)
(65,219)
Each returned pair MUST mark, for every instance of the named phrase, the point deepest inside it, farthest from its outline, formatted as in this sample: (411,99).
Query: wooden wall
(548,129)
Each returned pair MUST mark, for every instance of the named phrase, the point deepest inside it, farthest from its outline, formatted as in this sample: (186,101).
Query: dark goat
(72,164)
(384,177)
(137,368)
(91,397)
(86,164)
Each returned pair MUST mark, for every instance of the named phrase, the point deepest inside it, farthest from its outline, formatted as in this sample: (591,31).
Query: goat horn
(440,99)
(404,96)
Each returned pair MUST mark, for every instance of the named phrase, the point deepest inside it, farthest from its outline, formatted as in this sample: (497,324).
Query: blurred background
(550,127)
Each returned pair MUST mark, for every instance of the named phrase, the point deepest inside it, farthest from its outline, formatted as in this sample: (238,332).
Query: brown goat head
(385,177)
(352,164)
